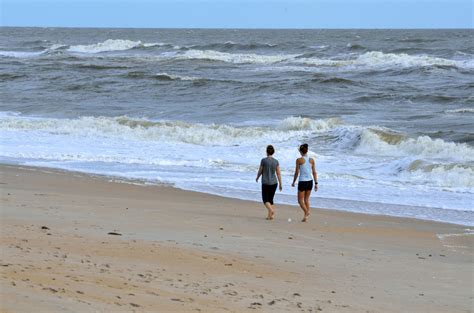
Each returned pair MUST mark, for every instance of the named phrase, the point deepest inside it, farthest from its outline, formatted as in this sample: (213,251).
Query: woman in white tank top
(305,170)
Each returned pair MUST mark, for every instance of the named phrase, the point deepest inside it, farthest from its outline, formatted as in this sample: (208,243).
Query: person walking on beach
(269,166)
(306,170)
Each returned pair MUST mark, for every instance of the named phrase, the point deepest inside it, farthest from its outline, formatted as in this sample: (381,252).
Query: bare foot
(305,218)
(270,215)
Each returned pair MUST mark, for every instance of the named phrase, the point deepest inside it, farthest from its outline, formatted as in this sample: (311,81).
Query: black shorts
(268,192)
(305,185)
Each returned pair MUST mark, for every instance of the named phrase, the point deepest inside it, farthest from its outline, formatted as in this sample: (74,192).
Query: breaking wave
(371,59)
(376,141)
(446,175)
(173,131)
(385,142)
(111,45)
(307,124)
(405,60)
(421,160)
(385,60)
(240,58)
(166,76)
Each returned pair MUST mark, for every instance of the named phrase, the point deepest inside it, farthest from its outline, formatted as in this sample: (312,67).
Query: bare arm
(259,173)
(297,172)
(279,177)
(315,174)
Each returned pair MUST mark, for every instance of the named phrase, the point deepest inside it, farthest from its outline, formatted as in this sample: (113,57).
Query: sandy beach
(77,243)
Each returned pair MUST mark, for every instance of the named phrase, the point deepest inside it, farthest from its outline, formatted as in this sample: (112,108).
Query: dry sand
(181,251)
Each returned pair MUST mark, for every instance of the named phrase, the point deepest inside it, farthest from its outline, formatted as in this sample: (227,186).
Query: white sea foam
(323,62)
(444,175)
(57,46)
(304,123)
(368,59)
(372,59)
(319,47)
(178,131)
(111,45)
(422,146)
(368,140)
(376,58)
(380,59)
(385,142)
(234,57)
(218,157)
(20,54)
(456,176)
(167,76)
(461,110)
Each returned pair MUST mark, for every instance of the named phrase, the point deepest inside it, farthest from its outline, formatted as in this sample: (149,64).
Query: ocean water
(388,114)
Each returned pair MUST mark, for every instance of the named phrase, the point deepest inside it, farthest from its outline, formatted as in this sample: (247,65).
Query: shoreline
(143,182)
(76,242)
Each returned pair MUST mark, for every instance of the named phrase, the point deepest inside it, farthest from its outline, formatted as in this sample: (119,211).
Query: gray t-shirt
(269,167)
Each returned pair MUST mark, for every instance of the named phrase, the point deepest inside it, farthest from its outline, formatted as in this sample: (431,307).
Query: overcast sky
(239,13)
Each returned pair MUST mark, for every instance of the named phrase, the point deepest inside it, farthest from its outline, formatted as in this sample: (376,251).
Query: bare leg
(307,194)
(301,202)
(270,209)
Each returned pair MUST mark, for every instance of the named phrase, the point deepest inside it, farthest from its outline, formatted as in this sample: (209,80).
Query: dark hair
(270,150)
(304,148)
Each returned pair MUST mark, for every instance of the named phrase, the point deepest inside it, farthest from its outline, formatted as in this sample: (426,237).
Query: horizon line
(239,28)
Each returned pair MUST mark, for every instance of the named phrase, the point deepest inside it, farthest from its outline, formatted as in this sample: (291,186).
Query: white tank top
(305,170)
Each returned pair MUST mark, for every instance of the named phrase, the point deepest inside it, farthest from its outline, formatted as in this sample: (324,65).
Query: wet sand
(71,242)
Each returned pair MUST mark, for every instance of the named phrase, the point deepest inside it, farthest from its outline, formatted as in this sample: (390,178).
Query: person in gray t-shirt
(268,168)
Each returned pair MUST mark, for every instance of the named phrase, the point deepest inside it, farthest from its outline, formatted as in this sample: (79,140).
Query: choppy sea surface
(388,114)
